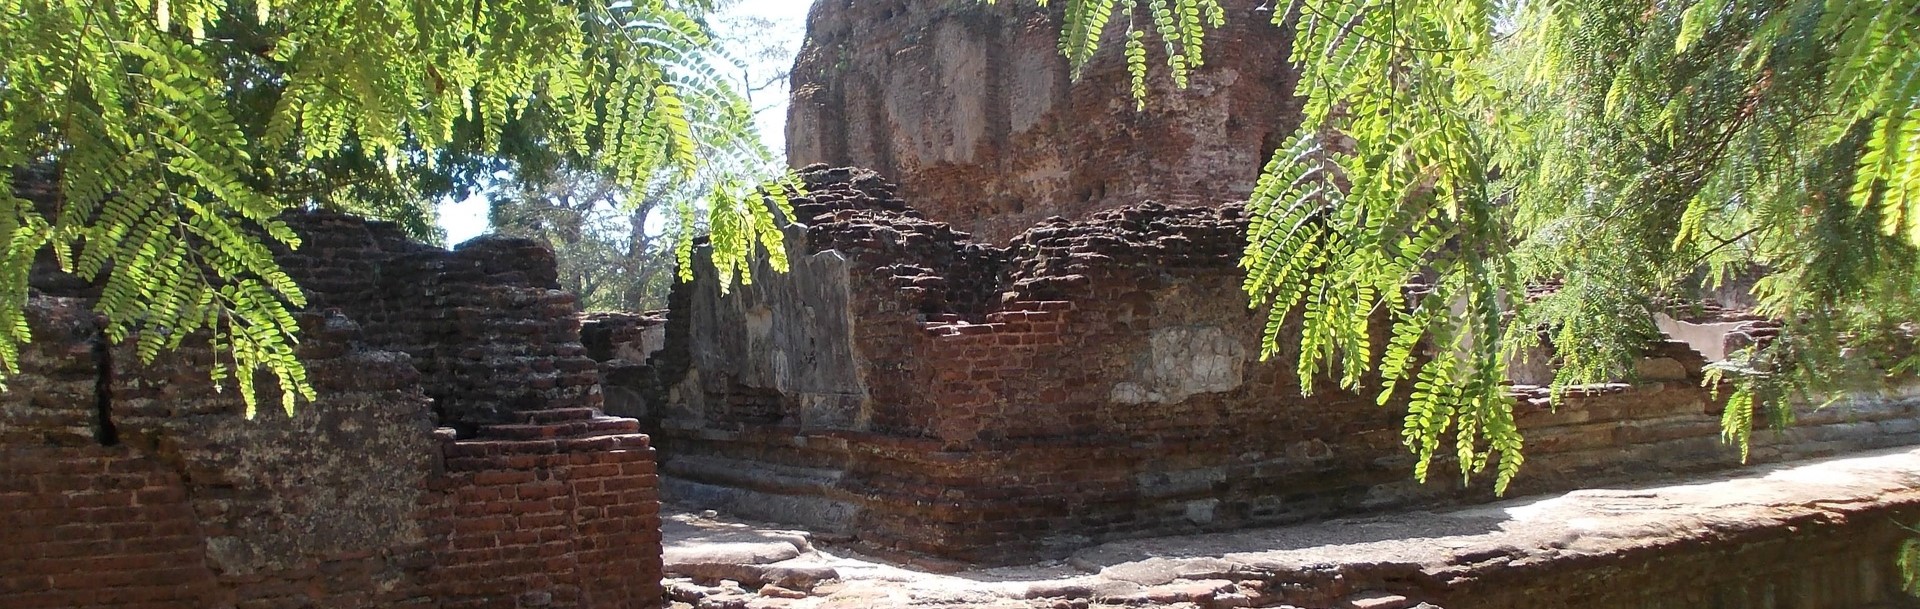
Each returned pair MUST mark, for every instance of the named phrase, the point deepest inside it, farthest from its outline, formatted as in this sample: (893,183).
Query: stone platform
(1812,534)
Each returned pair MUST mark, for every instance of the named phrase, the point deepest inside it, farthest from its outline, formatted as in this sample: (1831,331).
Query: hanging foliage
(1455,155)
(178,130)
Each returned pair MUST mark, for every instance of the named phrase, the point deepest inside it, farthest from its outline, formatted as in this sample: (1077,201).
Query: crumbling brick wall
(185,503)
(1097,379)
(560,512)
(974,111)
(543,500)
(367,497)
(621,343)
(487,325)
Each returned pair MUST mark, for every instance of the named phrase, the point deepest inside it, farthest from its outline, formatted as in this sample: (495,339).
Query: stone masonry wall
(367,497)
(1096,380)
(974,111)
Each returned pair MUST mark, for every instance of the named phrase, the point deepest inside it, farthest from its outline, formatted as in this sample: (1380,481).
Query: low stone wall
(1817,561)
(131,485)
(1096,380)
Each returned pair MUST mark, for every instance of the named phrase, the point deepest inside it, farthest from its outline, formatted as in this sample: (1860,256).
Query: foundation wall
(1815,563)
(1095,380)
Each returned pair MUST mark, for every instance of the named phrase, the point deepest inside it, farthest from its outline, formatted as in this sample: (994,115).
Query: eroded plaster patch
(1184,361)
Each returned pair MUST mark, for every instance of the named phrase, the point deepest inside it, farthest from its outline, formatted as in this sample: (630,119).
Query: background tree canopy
(609,252)
(611,241)
(177,130)
(1626,152)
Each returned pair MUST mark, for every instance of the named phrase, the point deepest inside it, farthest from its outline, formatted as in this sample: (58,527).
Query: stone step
(561,415)
(534,432)
(607,444)
(613,425)
(577,428)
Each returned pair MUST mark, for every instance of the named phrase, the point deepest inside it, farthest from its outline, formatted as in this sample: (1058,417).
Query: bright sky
(467,219)
(790,20)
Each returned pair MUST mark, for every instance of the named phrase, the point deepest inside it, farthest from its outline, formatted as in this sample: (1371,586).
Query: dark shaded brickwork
(1822,560)
(487,325)
(95,527)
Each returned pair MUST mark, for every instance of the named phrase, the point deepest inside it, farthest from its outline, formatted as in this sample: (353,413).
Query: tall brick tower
(973,111)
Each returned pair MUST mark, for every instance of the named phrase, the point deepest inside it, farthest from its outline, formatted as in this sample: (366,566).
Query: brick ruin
(1025,361)
(974,112)
(1093,380)
(456,458)
(1028,359)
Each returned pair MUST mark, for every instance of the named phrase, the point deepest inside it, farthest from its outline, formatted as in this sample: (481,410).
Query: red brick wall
(97,527)
(365,498)
(195,506)
(553,516)
(513,523)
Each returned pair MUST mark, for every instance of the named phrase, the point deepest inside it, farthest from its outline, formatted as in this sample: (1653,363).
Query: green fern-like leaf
(181,129)
(1908,562)
(1181,25)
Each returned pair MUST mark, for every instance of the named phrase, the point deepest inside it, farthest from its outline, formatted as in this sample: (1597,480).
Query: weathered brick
(1092,378)
(130,527)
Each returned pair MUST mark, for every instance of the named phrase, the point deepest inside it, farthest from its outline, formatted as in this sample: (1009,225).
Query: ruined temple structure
(993,347)
(974,112)
(456,457)
(1094,380)
(1009,355)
